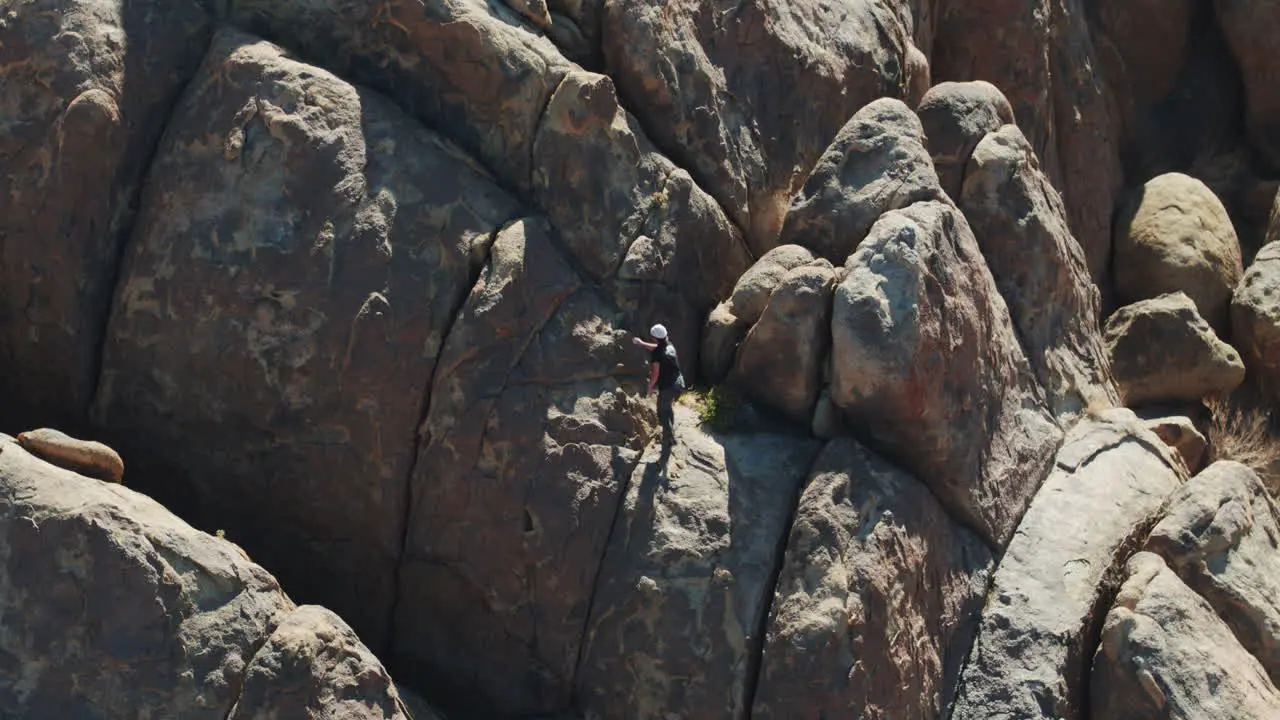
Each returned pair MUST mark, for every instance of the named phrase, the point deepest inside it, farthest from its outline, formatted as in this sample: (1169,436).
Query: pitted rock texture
(1031,655)
(1255,317)
(922,346)
(1165,654)
(876,163)
(877,602)
(86,87)
(1222,536)
(1021,225)
(299,258)
(689,576)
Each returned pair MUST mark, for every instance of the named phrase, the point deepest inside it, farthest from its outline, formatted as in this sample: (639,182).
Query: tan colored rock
(1175,235)
(1162,350)
(956,116)
(876,163)
(1181,434)
(1222,536)
(114,607)
(1255,317)
(89,458)
(1164,654)
(721,336)
(299,258)
(752,291)
(922,343)
(1048,595)
(779,363)
(877,602)
(85,92)
(313,667)
(1021,225)
(749,97)
(687,581)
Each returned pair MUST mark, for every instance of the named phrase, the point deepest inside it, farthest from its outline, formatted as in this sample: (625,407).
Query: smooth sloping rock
(748,97)
(313,667)
(1250,27)
(1046,601)
(689,576)
(525,453)
(876,163)
(1222,536)
(752,291)
(922,345)
(1164,654)
(113,607)
(1181,434)
(87,457)
(1040,269)
(721,336)
(1151,39)
(780,362)
(1255,317)
(1042,57)
(1163,350)
(956,116)
(85,89)
(300,255)
(877,602)
(1175,235)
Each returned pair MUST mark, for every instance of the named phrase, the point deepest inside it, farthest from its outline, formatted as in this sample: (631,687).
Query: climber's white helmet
(658,331)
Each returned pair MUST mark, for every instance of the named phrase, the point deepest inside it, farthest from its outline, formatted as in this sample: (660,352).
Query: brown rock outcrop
(87,457)
(1040,269)
(875,607)
(956,116)
(1250,28)
(922,344)
(1181,434)
(85,89)
(1164,654)
(1047,596)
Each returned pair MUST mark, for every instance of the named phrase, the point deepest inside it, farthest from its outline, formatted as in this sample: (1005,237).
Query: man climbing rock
(665,375)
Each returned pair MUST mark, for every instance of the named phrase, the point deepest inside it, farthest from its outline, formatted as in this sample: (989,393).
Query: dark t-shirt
(668,364)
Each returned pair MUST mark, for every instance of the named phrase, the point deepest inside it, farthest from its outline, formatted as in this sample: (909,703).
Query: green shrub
(719,408)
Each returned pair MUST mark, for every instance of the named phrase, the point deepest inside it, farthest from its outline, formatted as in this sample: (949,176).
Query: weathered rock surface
(1175,235)
(752,291)
(875,608)
(1042,57)
(1222,536)
(85,89)
(876,163)
(313,667)
(1181,434)
(1046,601)
(779,363)
(956,116)
(1164,654)
(114,607)
(1040,269)
(1250,27)
(749,97)
(527,444)
(1162,350)
(1255,317)
(299,258)
(922,346)
(689,576)
(721,336)
(87,457)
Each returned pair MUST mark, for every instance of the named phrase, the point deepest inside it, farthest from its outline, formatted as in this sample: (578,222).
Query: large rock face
(750,97)
(956,117)
(85,89)
(1222,536)
(1040,269)
(1255,317)
(689,576)
(1162,350)
(1175,235)
(874,610)
(1164,654)
(877,163)
(1250,28)
(923,344)
(1030,658)
(298,261)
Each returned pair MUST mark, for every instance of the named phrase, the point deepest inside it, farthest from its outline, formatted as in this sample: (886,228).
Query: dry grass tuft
(1244,435)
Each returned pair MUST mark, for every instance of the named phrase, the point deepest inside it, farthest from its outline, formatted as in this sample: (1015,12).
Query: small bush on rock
(1244,435)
